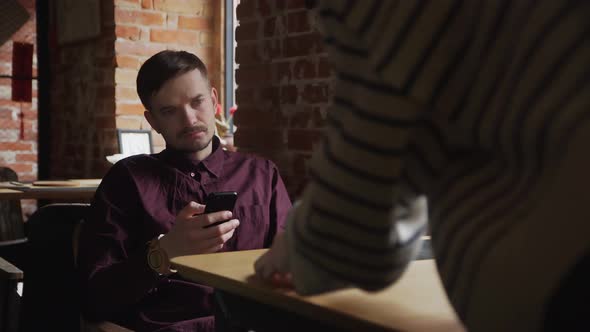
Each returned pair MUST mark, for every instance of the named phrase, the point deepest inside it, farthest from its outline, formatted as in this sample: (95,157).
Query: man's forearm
(114,288)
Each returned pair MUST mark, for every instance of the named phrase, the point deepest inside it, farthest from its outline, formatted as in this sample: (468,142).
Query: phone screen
(220,201)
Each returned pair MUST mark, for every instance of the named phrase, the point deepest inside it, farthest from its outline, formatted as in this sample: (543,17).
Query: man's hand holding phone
(198,232)
(220,201)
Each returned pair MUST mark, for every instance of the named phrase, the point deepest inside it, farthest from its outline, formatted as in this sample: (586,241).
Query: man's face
(183,111)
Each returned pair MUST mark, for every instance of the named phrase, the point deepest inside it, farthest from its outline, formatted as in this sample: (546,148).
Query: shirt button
(192,174)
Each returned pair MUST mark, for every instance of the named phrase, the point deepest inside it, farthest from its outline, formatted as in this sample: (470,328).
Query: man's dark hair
(162,67)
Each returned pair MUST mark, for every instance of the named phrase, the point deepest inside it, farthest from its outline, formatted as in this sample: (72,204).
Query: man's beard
(189,130)
(202,147)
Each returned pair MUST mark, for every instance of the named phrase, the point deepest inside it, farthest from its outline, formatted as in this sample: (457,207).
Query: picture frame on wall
(77,20)
(132,142)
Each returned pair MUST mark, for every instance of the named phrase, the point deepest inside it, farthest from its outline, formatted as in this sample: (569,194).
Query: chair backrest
(10,276)
(50,294)
(11,217)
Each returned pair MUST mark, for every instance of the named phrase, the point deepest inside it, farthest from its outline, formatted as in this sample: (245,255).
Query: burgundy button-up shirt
(138,200)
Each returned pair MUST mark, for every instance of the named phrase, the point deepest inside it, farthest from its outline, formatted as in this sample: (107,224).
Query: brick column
(20,154)
(284,83)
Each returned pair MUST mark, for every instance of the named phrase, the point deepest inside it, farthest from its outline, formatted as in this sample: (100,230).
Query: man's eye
(197,102)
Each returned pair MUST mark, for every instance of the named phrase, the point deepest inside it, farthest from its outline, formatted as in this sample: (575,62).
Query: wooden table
(82,190)
(75,190)
(417,302)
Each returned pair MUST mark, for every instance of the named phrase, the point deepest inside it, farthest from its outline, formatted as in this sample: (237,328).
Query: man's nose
(189,115)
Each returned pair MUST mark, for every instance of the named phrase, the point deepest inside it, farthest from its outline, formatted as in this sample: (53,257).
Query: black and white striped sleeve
(358,222)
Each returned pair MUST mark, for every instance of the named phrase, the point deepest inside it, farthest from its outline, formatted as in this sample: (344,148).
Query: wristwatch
(157,257)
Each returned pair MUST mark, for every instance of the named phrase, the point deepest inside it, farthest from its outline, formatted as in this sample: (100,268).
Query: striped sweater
(478,109)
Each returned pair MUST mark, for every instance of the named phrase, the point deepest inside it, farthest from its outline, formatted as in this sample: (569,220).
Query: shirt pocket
(253,229)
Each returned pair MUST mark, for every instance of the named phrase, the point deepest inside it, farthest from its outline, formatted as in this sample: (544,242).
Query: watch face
(155,259)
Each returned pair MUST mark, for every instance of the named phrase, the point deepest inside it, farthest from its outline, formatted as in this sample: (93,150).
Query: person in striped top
(472,117)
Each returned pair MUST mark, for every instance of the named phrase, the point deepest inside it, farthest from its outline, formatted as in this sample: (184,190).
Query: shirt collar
(213,163)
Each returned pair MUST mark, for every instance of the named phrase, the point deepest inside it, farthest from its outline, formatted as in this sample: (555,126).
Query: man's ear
(214,98)
(151,120)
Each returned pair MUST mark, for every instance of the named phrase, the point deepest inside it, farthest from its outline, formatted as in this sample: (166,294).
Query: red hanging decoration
(22,72)
(22,78)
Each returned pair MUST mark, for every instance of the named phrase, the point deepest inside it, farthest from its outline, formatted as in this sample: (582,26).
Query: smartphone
(220,201)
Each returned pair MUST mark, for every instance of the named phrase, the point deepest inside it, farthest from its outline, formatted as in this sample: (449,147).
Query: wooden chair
(10,300)
(50,295)
(12,242)
(11,217)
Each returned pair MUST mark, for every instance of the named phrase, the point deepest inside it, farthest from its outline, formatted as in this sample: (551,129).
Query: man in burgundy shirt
(153,204)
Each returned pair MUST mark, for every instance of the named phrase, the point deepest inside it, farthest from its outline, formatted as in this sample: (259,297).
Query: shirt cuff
(308,279)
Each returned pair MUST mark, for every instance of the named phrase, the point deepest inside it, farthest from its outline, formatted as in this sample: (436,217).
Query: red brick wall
(144,27)
(16,153)
(284,82)
(82,102)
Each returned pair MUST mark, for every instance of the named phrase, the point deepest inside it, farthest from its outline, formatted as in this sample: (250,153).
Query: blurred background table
(71,190)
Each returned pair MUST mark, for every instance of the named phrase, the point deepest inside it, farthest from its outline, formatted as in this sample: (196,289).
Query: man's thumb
(192,208)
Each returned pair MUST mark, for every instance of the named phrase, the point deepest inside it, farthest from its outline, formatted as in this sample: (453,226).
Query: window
(230,63)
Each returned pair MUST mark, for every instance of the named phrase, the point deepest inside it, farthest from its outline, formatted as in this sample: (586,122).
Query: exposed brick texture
(18,121)
(195,23)
(82,98)
(284,84)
